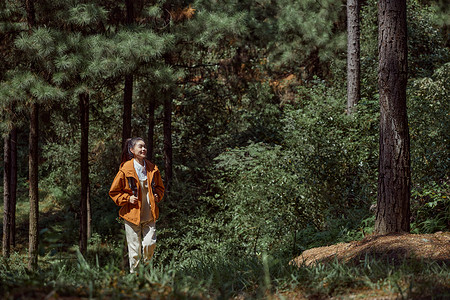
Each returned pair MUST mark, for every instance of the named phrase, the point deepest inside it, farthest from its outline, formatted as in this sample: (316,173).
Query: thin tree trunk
(89,213)
(151,128)
(128,88)
(6,196)
(33,168)
(13,185)
(127,104)
(167,128)
(31,13)
(353,55)
(34,185)
(130,11)
(394,179)
(84,162)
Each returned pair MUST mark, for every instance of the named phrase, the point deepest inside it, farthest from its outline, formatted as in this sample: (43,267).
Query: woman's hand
(133,199)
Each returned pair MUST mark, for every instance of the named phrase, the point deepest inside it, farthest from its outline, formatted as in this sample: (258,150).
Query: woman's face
(139,150)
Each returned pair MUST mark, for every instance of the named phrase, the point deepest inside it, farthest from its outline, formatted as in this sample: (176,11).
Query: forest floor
(392,248)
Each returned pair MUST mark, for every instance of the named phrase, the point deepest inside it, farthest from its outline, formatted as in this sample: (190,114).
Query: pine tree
(6,196)
(84,162)
(34,191)
(11,108)
(394,179)
(168,156)
(13,185)
(33,163)
(128,85)
(151,127)
(353,54)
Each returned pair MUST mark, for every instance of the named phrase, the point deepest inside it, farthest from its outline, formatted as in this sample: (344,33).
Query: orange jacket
(121,192)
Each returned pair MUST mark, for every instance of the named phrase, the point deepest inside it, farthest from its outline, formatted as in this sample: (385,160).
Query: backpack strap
(153,185)
(132,184)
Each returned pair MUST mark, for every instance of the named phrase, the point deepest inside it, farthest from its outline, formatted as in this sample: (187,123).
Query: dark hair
(129,143)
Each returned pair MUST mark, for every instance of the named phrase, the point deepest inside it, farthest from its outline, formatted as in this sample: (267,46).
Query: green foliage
(22,85)
(369,50)
(266,193)
(222,27)
(87,14)
(333,154)
(262,171)
(426,47)
(431,207)
(215,276)
(298,30)
(429,122)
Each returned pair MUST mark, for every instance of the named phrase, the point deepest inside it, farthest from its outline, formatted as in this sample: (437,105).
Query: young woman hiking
(137,188)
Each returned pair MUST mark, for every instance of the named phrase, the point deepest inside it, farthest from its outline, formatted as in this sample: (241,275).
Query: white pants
(141,242)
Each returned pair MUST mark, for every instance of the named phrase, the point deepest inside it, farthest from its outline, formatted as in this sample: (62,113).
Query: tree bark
(130,11)
(84,162)
(89,213)
(394,178)
(31,13)
(151,128)
(167,128)
(6,196)
(13,182)
(33,234)
(34,185)
(128,88)
(127,104)
(353,55)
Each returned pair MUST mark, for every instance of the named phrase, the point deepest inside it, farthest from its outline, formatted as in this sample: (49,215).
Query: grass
(198,274)
(213,276)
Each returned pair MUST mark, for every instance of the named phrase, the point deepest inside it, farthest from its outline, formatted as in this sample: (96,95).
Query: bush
(323,167)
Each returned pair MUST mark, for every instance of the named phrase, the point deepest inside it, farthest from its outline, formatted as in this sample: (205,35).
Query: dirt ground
(396,247)
(393,248)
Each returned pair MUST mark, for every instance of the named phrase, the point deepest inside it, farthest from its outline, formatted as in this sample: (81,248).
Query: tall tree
(13,185)
(84,161)
(127,105)
(9,191)
(6,196)
(151,128)
(128,88)
(167,128)
(33,188)
(33,161)
(353,54)
(394,178)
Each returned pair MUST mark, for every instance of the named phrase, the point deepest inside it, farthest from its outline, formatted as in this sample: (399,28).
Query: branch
(197,66)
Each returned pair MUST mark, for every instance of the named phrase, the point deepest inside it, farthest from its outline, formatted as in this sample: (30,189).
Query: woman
(137,188)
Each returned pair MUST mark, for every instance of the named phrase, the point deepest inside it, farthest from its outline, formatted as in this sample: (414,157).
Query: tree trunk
(84,162)
(151,128)
(6,196)
(353,55)
(127,103)
(89,213)
(394,178)
(31,14)
(33,234)
(128,88)
(13,182)
(130,11)
(167,128)
(34,185)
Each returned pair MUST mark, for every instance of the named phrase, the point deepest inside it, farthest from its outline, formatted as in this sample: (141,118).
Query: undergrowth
(219,277)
